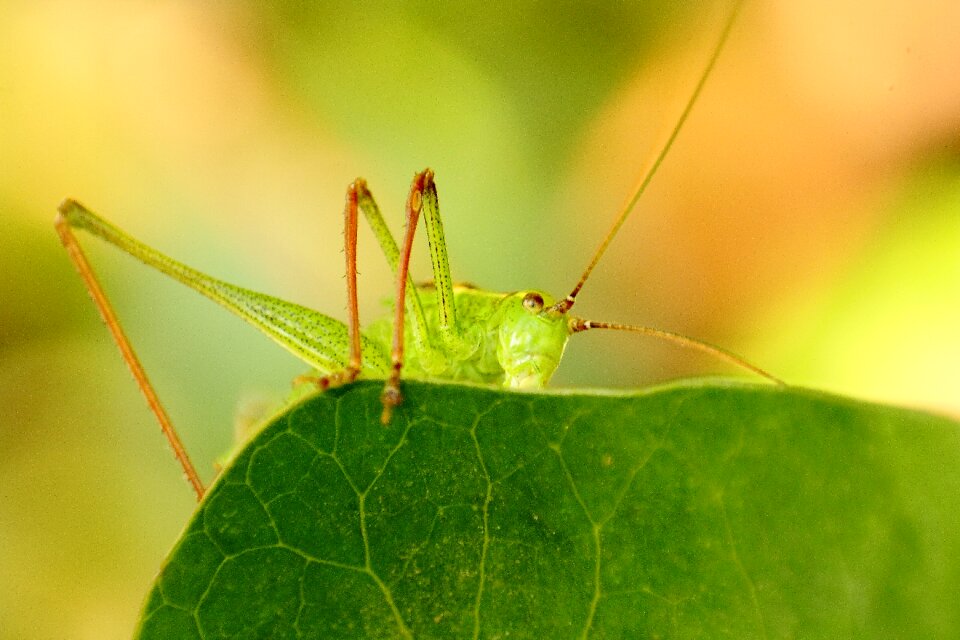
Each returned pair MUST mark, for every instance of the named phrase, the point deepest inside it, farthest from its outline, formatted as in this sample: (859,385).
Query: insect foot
(391,397)
(342,377)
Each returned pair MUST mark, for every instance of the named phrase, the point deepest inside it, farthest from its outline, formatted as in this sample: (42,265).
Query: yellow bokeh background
(808,218)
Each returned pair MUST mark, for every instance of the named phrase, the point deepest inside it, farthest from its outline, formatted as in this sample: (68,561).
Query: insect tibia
(578,325)
(72,214)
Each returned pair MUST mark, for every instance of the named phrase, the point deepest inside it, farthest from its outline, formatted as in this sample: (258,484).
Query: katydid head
(530,338)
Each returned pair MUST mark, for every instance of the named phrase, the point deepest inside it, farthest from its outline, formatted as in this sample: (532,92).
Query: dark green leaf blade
(694,510)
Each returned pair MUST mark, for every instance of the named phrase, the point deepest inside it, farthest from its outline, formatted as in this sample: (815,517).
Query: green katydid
(438,331)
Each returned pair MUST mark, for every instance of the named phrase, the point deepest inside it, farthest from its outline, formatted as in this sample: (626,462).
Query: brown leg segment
(352,370)
(391,396)
(350,251)
(126,350)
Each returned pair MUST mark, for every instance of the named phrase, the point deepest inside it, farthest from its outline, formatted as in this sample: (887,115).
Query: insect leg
(457,344)
(315,338)
(429,356)
(350,251)
(350,372)
(126,350)
(391,396)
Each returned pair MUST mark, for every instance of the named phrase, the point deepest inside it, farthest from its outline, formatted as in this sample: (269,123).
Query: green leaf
(712,510)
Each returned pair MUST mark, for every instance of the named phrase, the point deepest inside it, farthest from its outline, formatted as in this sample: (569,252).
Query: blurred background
(808,218)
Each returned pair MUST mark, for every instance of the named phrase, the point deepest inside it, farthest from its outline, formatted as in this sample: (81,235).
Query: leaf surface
(705,509)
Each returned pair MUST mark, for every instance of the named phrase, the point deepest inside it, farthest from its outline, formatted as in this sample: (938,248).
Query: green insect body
(439,332)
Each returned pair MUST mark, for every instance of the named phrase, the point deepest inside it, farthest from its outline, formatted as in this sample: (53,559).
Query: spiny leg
(350,252)
(352,370)
(126,349)
(391,396)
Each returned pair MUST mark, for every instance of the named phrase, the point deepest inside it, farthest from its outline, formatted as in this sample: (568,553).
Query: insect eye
(533,302)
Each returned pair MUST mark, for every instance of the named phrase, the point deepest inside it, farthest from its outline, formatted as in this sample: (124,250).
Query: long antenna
(577,325)
(564,305)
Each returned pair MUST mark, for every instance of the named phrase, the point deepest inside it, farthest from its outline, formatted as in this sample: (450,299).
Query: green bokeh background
(808,217)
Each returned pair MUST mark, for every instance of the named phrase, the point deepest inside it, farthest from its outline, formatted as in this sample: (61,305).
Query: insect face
(530,339)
